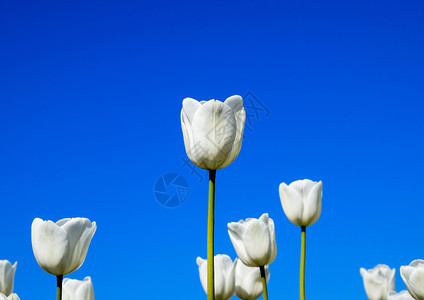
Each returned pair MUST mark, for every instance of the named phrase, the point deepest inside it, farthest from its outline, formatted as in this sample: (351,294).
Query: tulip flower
(7,275)
(60,248)
(248,281)
(224,276)
(378,281)
(78,289)
(413,277)
(404,295)
(213,133)
(302,201)
(10,297)
(254,242)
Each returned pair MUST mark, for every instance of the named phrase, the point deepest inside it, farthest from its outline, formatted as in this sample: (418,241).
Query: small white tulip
(378,281)
(302,201)
(404,295)
(78,289)
(249,282)
(213,131)
(224,276)
(413,277)
(10,297)
(254,240)
(7,275)
(60,248)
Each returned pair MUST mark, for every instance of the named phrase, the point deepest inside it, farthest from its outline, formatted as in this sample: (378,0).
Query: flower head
(213,131)
(224,275)
(60,248)
(7,275)
(254,240)
(78,289)
(378,281)
(413,277)
(301,201)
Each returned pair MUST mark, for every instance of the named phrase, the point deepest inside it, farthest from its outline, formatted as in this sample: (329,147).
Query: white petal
(292,203)
(236,230)
(7,275)
(257,242)
(312,205)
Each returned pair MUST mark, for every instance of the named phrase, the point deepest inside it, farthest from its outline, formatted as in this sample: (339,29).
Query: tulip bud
(249,282)
(7,275)
(224,275)
(213,131)
(413,277)
(78,289)
(60,248)
(404,295)
(378,281)
(301,201)
(10,297)
(254,240)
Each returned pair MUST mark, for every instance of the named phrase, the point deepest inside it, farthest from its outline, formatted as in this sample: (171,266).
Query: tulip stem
(302,263)
(211,221)
(59,287)
(263,277)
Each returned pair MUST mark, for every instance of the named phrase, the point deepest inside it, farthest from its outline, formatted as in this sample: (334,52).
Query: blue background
(91,95)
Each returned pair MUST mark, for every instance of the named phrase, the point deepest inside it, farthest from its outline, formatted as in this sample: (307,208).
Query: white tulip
(224,275)
(378,281)
(249,282)
(413,277)
(213,131)
(10,297)
(301,201)
(7,275)
(60,248)
(254,240)
(78,289)
(404,295)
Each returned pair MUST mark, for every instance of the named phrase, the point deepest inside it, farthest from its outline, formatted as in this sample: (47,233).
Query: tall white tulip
(254,240)
(248,281)
(60,248)
(302,201)
(413,277)
(224,276)
(10,297)
(78,289)
(7,276)
(213,131)
(403,295)
(378,281)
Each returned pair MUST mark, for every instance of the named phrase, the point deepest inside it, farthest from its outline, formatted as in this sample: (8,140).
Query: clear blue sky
(91,95)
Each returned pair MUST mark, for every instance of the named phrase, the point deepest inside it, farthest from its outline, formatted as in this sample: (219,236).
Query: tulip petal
(257,241)
(312,204)
(190,106)
(292,202)
(7,275)
(236,231)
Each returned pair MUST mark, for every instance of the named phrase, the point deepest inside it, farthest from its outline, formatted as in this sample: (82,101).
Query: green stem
(263,277)
(59,287)
(302,263)
(211,221)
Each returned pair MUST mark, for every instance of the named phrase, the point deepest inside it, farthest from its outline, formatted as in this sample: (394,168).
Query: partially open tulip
(254,240)
(78,289)
(413,277)
(213,131)
(60,248)
(7,275)
(10,297)
(248,281)
(224,276)
(302,201)
(378,281)
(404,295)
